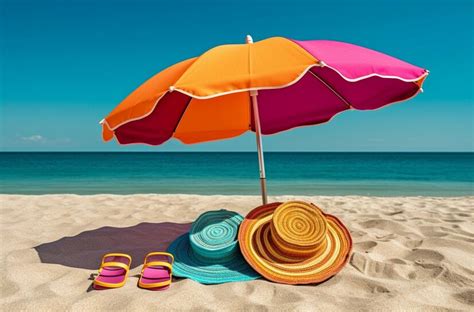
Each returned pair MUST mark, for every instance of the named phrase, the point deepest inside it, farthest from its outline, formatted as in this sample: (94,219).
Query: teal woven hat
(209,253)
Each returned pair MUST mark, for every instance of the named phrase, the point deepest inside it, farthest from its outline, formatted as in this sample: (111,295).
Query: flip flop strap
(115,264)
(117,254)
(160,253)
(156,285)
(108,285)
(157,263)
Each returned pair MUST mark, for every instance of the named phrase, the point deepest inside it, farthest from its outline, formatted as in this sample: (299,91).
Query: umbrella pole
(258,132)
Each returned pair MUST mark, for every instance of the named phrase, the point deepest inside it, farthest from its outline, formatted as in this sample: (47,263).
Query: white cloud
(39,139)
(36,138)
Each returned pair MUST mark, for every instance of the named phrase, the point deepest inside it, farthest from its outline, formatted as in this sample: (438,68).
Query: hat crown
(214,234)
(298,228)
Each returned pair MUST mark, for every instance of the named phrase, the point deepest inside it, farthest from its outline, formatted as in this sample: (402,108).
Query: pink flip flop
(113,271)
(157,271)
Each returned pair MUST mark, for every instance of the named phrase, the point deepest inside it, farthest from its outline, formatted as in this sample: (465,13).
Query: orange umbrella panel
(215,118)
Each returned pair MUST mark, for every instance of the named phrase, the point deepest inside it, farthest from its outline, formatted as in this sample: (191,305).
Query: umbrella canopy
(297,83)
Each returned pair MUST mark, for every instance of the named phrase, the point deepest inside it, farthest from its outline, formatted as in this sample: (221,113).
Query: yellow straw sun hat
(294,243)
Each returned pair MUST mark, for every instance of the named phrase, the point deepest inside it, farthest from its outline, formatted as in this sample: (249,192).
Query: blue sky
(67,64)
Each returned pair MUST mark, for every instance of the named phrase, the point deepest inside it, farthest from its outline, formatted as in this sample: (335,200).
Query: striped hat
(294,243)
(209,253)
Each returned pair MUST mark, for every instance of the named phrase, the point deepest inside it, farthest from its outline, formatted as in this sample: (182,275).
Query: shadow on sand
(86,249)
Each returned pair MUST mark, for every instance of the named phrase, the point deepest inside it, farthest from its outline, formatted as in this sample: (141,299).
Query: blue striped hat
(209,253)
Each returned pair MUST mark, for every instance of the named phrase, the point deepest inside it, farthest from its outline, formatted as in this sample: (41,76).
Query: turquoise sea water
(378,174)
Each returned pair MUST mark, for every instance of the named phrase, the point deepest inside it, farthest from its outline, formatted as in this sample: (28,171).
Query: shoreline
(233,195)
(409,253)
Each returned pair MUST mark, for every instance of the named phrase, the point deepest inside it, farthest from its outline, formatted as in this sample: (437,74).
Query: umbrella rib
(332,89)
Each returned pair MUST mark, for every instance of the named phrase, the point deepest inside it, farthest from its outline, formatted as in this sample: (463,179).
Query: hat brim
(262,255)
(187,264)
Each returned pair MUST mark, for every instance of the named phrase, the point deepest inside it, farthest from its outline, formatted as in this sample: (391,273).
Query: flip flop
(156,274)
(113,271)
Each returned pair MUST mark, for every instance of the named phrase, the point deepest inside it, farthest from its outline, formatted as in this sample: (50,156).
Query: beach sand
(410,254)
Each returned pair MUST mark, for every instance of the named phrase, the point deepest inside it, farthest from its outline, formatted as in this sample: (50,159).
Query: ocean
(373,174)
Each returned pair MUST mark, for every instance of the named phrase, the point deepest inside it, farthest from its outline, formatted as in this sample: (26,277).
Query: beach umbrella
(266,87)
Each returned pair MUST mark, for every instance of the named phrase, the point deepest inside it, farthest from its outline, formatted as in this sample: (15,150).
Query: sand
(410,254)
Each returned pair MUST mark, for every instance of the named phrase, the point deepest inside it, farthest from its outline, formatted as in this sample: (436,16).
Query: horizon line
(250,151)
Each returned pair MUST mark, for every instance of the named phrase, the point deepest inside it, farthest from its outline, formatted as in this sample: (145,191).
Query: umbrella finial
(248,39)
